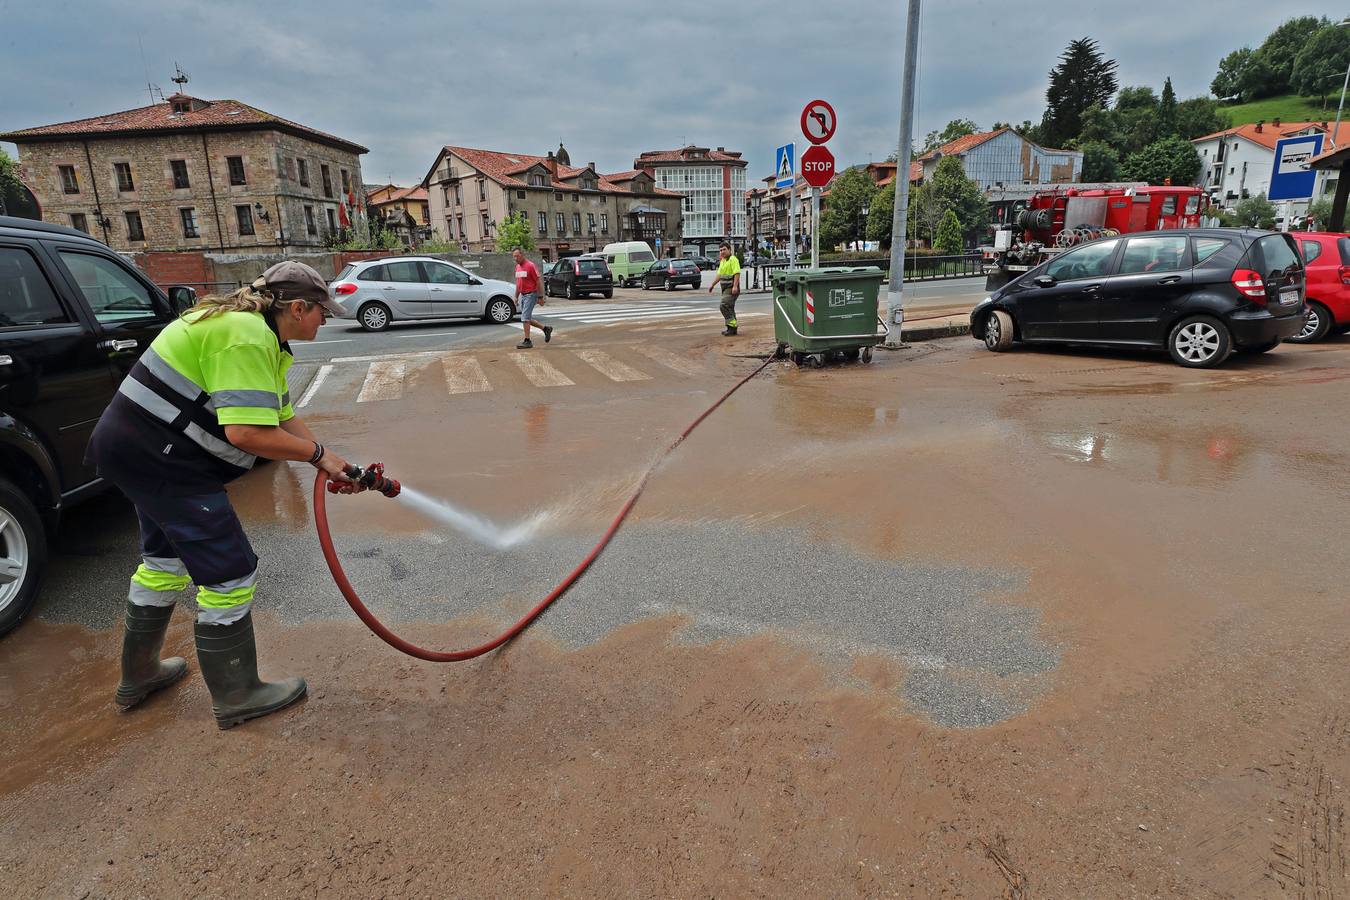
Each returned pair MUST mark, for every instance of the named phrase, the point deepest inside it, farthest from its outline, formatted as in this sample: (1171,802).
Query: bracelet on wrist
(318,454)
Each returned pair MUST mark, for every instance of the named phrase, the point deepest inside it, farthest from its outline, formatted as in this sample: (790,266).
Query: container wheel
(817,360)
(867,354)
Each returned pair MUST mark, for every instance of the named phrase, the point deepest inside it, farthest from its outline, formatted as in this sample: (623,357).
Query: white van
(627,260)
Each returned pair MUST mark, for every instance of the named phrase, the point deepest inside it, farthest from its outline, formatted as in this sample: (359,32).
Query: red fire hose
(398,643)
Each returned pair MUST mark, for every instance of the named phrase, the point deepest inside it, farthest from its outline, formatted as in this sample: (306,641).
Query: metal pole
(895,307)
(792,225)
(815,227)
(1340,106)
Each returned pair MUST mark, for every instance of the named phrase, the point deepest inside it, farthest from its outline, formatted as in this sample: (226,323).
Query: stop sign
(817,166)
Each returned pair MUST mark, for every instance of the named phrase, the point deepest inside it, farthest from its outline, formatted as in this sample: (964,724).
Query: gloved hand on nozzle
(372,478)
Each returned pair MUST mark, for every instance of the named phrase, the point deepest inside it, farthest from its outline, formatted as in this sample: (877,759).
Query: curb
(298,378)
(933,332)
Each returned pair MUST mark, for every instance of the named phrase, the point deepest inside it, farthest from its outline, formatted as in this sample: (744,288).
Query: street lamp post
(895,307)
(1340,106)
(862,229)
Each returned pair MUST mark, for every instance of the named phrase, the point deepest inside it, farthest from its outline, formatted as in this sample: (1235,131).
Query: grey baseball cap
(291,280)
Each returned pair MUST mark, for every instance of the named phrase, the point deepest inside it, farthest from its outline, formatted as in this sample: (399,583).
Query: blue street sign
(658,243)
(1293,178)
(785,165)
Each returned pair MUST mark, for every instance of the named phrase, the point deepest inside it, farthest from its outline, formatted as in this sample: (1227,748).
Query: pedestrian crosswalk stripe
(651,316)
(610,367)
(539,371)
(319,379)
(384,380)
(669,360)
(464,375)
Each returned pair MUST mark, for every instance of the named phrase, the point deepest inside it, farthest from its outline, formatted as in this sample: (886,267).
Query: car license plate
(593,277)
(1288,298)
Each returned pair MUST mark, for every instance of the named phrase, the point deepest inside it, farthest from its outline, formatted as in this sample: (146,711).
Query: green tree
(1100,162)
(1320,212)
(1255,212)
(1083,78)
(1232,74)
(843,220)
(880,215)
(950,189)
(1323,58)
(1100,126)
(437,245)
(1199,116)
(954,129)
(514,233)
(1167,110)
(949,238)
(1169,158)
(1281,49)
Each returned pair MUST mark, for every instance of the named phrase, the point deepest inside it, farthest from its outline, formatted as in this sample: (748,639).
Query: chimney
(551,163)
(590,165)
(721,149)
(1263,122)
(1276,122)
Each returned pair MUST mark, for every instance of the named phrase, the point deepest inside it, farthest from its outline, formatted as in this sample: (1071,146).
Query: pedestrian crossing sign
(785,167)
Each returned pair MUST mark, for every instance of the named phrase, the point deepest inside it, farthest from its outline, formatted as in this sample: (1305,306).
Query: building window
(135,231)
(302,168)
(604,223)
(543,223)
(537,180)
(576,223)
(426,214)
(124,182)
(79,222)
(327,178)
(557,195)
(562,224)
(590,221)
(244,215)
(445,194)
(346,181)
(236,167)
(459,195)
(311,227)
(485,225)
(70,182)
(180,175)
(460,221)
(482,190)
(189,217)
(576,197)
(332,221)
(520,195)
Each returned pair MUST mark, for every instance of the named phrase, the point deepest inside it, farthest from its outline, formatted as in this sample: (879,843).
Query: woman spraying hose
(205,400)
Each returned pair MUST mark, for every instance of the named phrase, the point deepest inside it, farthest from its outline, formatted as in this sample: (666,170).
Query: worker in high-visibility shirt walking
(203,402)
(729,278)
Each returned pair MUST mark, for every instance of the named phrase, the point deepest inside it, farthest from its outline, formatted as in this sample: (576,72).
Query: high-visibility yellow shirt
(728,267)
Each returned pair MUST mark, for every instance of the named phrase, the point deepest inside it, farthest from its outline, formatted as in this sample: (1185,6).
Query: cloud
(609,78)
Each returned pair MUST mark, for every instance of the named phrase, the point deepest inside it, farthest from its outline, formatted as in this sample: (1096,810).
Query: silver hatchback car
(376,292)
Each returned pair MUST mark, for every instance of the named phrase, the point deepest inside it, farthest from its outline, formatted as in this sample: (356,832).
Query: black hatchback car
(1200,293)
(74,318)
(579,276)
(671,273)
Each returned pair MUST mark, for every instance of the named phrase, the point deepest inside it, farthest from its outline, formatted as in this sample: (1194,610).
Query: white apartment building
(1237,163)
(713,185)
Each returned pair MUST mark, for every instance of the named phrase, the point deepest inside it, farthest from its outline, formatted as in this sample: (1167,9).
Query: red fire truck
(1055,220)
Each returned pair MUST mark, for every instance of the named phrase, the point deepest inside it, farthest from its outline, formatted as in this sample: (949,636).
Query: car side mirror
(473,280)
(1043,281)
(182,298)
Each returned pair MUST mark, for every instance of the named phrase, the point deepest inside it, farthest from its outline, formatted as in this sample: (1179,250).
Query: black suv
(74,317)
(579,276)
(671,273)
(1201,293)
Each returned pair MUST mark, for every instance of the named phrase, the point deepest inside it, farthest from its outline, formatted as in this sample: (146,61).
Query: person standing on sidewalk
(729,277)
(527,295)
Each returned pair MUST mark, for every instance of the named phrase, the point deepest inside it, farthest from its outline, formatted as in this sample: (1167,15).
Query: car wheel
(571,292)
(669,285)
(374,317)
(998,331)
(645,285)
(23,555)
(499,311)
(1199,342)
(609,294)
(1316,326)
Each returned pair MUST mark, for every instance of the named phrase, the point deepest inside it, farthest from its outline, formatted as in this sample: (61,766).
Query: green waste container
(825,314)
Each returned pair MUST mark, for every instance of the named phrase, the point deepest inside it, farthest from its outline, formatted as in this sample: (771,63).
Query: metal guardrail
(917,268)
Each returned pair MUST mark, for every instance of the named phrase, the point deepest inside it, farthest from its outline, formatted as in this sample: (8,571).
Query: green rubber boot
(143,672)
(229,661)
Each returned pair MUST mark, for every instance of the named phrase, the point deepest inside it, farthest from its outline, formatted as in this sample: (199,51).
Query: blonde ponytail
(245,299)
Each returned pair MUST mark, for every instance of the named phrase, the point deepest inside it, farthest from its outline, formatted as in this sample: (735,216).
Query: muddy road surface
(1037,624)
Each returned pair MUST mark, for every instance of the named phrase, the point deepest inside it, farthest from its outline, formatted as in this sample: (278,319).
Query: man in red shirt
(527,294)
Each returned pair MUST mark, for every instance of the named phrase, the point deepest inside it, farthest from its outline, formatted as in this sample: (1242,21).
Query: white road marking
(433,334)
(324,372)
(335,341)
(669,360)
(464,375)
(413,355)
(610,367)
(711,314)
(539,371)
(384,380)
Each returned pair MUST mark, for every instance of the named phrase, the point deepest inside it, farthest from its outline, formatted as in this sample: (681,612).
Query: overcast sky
(610,79)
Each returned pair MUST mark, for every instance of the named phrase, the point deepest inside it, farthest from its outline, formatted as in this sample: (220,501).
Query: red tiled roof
(207,115)
(627,175)
(413,194)
(915,171)
(1270,133)
(963,143)
(659,156)
(504,168)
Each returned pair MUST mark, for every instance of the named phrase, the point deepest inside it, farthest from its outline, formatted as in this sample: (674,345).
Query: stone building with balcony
(571,210)
(193,174)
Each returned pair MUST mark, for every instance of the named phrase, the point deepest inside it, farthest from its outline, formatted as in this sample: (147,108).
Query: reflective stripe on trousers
(156,579)
(227,602)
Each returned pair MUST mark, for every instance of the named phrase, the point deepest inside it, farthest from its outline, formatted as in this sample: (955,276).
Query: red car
(1327,256)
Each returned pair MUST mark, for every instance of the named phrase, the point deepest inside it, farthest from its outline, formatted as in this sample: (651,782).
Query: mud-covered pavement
(1060,624)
